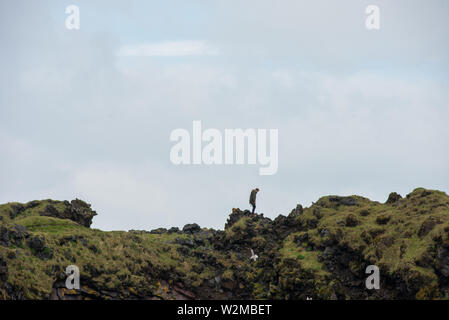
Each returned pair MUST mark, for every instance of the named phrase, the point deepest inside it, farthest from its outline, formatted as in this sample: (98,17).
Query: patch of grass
(306,258)
(47,224)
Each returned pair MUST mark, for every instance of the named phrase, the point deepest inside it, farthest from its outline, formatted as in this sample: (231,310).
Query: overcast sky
(88,113)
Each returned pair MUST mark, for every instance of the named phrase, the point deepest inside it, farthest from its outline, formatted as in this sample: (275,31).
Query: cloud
(168,49)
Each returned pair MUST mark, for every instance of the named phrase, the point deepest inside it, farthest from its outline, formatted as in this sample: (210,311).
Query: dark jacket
(252,197)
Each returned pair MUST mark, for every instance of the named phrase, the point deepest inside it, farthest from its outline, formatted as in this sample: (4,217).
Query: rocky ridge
(320,252)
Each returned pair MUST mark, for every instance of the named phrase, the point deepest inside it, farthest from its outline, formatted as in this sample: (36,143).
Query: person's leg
(254,207)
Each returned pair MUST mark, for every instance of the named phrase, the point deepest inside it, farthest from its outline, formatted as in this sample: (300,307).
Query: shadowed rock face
(77,210)
(12,234)
(3,270)
(393,197)
(320,252)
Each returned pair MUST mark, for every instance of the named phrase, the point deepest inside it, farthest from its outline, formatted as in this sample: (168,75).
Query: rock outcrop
(76,210)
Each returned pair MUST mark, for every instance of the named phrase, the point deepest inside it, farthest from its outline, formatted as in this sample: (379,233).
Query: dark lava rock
(345,201)
(191,228)
(32,204)
(426,227)
(324,233)
(12,234)
(158,231)
(312,223)
(317,213)
(67,239)
(236,215)
(301,239)
(39,249)
(383,219)
(297,211)
(183,250)
(328,253)
(3,269)
(69,256)
(202,236)
(36,243)
(351,220)
(364,212)
(425,260)
(77,210)
(93,248)
(393,197)
(16,209)
(376,232)
(425,193)
(387,241)
(185,242)
(174,230)
(443,261)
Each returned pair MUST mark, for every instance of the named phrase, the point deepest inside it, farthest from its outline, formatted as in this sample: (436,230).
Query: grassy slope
(393,246)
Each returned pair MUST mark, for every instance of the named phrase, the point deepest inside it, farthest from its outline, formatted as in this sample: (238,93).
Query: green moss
(47,224)
(237,229)
(307,259)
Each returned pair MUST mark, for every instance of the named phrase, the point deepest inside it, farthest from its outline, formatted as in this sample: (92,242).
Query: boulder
(351,220)
(383,219)
(345,201)
(191,228)
(158,231)
(39,249)
(16,209)
(296,212)
(12,234)
(426,227)
(393,197)
(3,269)
(77,210)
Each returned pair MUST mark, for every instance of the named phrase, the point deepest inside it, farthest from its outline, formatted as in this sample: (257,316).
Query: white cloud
(168,49)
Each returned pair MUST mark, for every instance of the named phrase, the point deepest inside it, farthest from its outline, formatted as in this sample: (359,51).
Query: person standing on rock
(252,198)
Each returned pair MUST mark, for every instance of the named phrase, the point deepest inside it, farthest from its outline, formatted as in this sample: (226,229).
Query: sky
(88,113)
